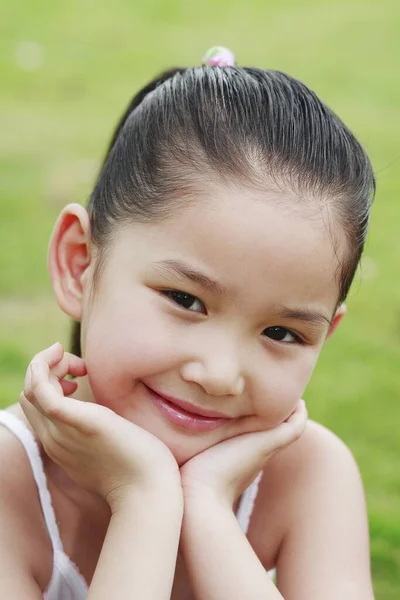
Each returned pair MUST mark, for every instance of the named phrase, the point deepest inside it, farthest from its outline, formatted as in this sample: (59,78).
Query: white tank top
(66,582)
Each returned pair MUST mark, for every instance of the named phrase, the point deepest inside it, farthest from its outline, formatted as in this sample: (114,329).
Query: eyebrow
(184,271)
(309,316)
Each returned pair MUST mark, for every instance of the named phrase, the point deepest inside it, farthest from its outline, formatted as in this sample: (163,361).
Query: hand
(226,469)
(97,448)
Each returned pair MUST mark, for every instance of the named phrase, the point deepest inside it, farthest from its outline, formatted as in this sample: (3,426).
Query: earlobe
(69,257)
(339,314)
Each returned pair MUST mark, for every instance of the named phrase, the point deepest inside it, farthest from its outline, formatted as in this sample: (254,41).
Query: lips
(186,415)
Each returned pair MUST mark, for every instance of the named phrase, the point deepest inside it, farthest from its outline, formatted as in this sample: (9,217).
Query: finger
(61,363)
(51,404)
(69,365)
(298,419)
(253,423)
(34,417)
(253,449)
(39,391)
(49,357)
(48,396)
(68,386)
(300,406)
(285,433)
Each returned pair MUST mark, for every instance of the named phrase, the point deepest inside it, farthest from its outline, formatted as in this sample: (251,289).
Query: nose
(217,371)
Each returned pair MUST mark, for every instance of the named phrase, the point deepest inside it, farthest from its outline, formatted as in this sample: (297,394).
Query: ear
(69,257)
(339,314)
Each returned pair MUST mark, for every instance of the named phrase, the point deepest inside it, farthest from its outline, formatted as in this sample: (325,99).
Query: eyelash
(297,340)
(172,295)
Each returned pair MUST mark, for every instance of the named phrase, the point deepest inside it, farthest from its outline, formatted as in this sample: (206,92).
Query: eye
(281,334)
(186,301)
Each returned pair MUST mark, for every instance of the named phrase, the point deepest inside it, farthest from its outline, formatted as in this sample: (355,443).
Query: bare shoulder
(24,543)
(317,447)
(318,458)
(310,512)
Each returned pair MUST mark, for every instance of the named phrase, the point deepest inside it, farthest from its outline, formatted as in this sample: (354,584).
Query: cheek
(124,344)
(281,387)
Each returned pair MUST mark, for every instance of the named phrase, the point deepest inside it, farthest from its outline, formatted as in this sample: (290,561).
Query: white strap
(246,505)
(25,436)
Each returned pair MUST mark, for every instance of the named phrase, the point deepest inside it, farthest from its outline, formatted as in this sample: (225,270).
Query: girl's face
(224,306)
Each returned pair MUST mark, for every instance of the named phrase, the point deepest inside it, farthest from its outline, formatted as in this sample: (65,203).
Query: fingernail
(53,347)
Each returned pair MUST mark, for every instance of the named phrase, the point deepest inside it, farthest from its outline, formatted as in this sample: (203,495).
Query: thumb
(250,451)
(264,443)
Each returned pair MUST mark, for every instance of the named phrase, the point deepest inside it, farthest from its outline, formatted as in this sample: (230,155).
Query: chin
(182,457)
(183,447)
(183,444)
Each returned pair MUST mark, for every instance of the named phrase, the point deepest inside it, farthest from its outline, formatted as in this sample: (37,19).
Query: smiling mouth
(181,413)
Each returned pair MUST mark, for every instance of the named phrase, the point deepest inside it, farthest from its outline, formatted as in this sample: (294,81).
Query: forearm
(219,559)
(139,553)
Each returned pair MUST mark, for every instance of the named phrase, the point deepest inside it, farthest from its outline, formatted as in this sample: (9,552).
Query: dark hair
(231,123)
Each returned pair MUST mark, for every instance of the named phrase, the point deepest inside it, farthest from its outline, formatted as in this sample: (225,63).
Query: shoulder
(21,522)
(317,447)
(311,489)
(318,458)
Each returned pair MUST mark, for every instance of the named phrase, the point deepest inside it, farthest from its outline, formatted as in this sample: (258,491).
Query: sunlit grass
(67,72)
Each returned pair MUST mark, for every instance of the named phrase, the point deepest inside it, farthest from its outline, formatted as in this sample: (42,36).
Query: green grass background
(59,100)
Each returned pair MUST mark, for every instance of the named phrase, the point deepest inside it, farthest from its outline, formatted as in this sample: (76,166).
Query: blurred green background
(69,68)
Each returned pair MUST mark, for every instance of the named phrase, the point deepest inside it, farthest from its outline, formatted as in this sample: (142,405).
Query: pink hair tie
(218,56)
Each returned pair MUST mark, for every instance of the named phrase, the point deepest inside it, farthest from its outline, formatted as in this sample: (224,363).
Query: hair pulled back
(238,124)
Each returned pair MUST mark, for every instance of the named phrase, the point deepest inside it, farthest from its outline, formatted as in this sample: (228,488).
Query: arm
(139,553)
(220,561)
(327,541)
(313,489)
(133,471)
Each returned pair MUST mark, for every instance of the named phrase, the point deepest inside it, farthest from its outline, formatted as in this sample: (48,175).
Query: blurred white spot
(86,170)
(369,268)
(29,55)
(68,181)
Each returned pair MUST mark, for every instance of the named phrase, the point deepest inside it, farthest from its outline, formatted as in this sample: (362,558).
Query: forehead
(252,243)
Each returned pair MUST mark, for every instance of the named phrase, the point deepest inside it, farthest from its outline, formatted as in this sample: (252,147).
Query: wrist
(196,495)
(205,505)
(203,513)
(167,495)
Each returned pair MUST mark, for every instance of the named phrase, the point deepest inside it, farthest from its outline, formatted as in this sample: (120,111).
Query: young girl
(213,261)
